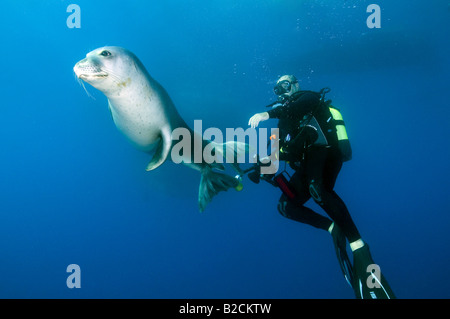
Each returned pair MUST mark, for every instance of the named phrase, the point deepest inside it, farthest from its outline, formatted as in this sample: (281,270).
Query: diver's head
(286,86)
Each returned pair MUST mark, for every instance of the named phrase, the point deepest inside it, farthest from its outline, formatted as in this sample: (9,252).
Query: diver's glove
(258,117)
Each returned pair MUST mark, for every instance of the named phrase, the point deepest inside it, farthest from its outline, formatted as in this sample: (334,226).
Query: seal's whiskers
(111,74)
(82,84)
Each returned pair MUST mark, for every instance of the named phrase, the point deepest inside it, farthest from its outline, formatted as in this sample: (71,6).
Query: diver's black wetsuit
(314,149)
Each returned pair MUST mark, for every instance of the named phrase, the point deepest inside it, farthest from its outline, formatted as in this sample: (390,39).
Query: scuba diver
(313,141)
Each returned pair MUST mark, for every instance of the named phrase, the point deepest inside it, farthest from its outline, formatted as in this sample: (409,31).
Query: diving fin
(212,183)
(368,281)
(340,245)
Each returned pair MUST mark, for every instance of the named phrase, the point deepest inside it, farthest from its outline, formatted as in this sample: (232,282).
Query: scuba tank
(332,129)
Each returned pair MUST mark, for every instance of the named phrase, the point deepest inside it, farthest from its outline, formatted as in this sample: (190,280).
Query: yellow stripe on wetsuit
(340,128)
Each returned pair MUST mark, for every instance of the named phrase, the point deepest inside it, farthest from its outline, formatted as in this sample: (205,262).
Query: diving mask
(283,87)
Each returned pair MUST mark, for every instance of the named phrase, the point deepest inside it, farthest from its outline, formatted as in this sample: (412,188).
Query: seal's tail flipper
(212,183)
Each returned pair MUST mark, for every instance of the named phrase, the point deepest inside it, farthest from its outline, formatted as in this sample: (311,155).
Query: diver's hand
(258,117)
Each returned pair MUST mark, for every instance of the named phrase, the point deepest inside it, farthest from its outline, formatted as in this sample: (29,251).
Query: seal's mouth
(87,71)
(87,76)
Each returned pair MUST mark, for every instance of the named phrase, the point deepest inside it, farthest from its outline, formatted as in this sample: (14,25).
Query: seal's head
(108,68)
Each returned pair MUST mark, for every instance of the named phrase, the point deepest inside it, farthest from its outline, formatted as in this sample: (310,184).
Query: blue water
(74,191)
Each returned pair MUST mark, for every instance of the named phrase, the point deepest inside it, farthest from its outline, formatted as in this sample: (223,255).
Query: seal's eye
(105,53)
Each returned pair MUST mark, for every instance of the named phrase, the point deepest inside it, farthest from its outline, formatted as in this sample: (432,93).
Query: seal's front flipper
(212,183)
(162,151)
